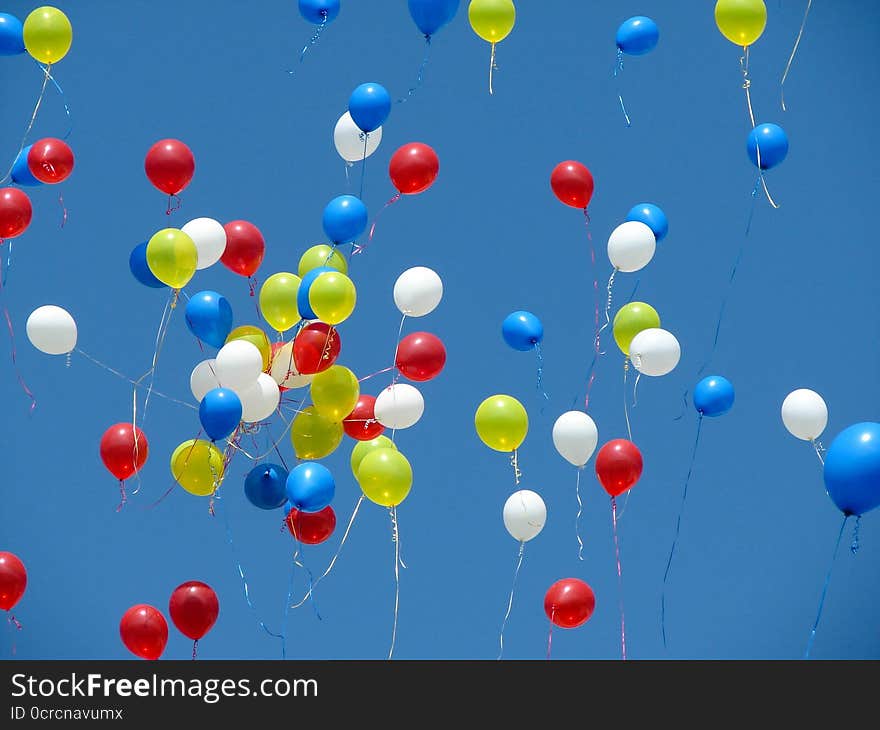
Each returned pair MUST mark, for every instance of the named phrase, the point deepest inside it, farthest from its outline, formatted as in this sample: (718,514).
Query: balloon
(194,608)
(572,183)
(209,237)
(256,337)
(278,301)
(569,602)
(311,528)
(220,412)
(344,219)
(575,437)
(741,21)
(363,448)
(203,378)
(310,487)
(361,423)
(197,465)
(313,436)
(15,212)
(631,246)
(771,142)
(245,248)
(431,15)
(260,400)
(50,160)
(51,330)
(618,466)
(852,469)
(369,106)
(413,168)
(144,631)
(137,262)
(265,486)
(170,165)
(713,396)
(319,12)
(385,477)
(172,257)
(631,319)
(47,34)
(335,392)
(13,580)
(522,330)
(11,35)
(352,144)
(209,317)
(238,364)
(804,414)
(21,173)
(420,356)
(322,255)
(399,406)
(524,515)
(123,450)
(302,295)
(652,216)
(492,20)
(283,368)
(654,352)
(315,348)
(332,297)
(637,36)
(501,422)
(418,291)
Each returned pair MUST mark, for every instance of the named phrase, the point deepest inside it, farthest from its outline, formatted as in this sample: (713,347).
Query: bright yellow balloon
(47,34)
(197,465)
(631,319)
(362,448)
(741,21)
(172,257)
(257,338)
(332,297)
(492,20)
(385,477)
(501,422)
(335,392)
(322,255)
(313,436)
(278,300)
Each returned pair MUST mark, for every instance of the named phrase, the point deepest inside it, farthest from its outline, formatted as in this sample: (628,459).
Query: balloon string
(592,375)
(577,519)
(819,449)
(348,166)
(359,249)
(300,564)
(797,42)
(618,69)
(398,563)
(540,379)
(825,589)
(522,547)
(63,210)
(550,635)
(315,37)
(161,332)
(636,387)
(14,622)
(14,625)
(378,372)
(619,579)
(363,165)
(30,124)
(287,600)
(854,545)
(492,68)
(11,330)
(514,462)
(397,349)
(419,77)
(747,82)
(63,100)
(123,498)
(608,288)
(174,202)
(195,648)
(625,400)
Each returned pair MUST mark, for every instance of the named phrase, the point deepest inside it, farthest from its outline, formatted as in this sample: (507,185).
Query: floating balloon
(431,15)
(353,144)
(13,580)
(804,414)
(654,352)
(15,212)
(11,35)
(420,356)
(335,392)
(637,35)
(172,257)
(741,21)
(21,173)
(265,486)
(418,291)
(344,219)
(302,296)
(319,12)
(283,368)
(310,487)
(492,20)
(257,338)
(144,631)
(245,248)
(311,528)
(209,237)
(197,465)
(575,437)
(631,319)
(260,400)
(524,515)
(361,423)
(124,450)
(209,317)
(50,160)
(631,246)
(278,301)
(324,256)
(572,183)
(238,365)
(768,144)
(618,466)
(315,348)
(332,297)
(203,378)
(47,34)
(399,406)
(713,396)
(852,469)
(413,168)
(522,330)
(501,422)
(313,436)
(369,106)
(569,602)
(652,216)
(137,262)
(194,608)
(363,448)
(51,330)
(385,477)
(170,165)
(220,413)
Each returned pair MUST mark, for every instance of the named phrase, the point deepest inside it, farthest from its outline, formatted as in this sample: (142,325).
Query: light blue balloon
(522,330)
(713,396)
(852,468)
(652,216)
(369,106)
(344,219)
(209,317)
(431,15)
(11,35)
(772,142)
(637,36)
(220,412)
(265,486)
(310,487)
(319,11)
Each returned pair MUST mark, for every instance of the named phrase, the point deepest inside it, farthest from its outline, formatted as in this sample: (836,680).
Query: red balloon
(50,160)
(413,168)
(194,608)
(572,183)
(13,580)
(420,356)
(618,466)
(311,528)
(121,452)
(144,631)
(315,348)
(361,423)
(245,248)
(169,165)
(15,212)
(569,602)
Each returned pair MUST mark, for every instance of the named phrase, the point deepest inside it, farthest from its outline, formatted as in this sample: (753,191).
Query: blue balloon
(302,295)
(344,219)
(137,262)
(637,36)
(209,317)
(772,142)
(369,106)
(522,330)
(265,486)
(319,11)
(431,15)
(852,468)
(220,412)
(11,35)
(21,173)
(652,216)
(310,487)
(713,396)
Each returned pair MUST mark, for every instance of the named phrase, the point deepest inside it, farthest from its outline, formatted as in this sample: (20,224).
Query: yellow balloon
(492,20)
(631,319)
(332,297)
(313,436)
(278,300)
(197,465)
(47,34)
(741,21)
(501,422)
(385,477)
(335,392)
(322,255)
(257,338)
(172,257)
(363,448)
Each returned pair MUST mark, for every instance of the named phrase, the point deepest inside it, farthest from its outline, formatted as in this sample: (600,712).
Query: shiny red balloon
(123,450)
(245,248)
(50,160)
(194,608)
(311,528)
(361,423)
(315,348)
(572,183)
(13,580)
(413,168)
(169,165)
(618,466)
(15,212)
(420,356)
(144,631)
(569,602)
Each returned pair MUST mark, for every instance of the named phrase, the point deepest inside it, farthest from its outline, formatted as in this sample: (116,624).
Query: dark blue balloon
(319,11)
(771,141)
(137,262)
(522,330)
(369,106)
(11,35)
(344,219)
(302,295)
(220,412)
(651,216)
(310,487)
(713,396)
(431,15)
(209,317)
(265,486)
(852,468)
(637,36)
(21,173)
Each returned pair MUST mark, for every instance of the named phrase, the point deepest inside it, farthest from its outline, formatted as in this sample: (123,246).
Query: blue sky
(758,528)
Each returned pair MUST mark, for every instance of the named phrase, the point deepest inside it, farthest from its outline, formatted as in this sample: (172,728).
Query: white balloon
(260,400)
(52,330)
(349,140)
(238,365)
(399,406)
(631,246)
(210,239)
(418,291)
(575,437)
(283,370)
(203,378)
(654,352)
(804,414)
(524,514)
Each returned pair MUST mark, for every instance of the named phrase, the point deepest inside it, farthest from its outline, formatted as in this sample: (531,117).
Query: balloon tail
(360,249)
(14,626)
(14,622)
(514,462)
(519,560)
(348,166)
(797,42)
(618,70)
(63,210)
(625,399)
(825,589)
(174,202)
(747,82)
(819,449)
(636,390)
(492,68)
(540,379)
(123,498)
(420,76)
(398,563)
(315,36)
(195,649)
(619,579)
(609,288)
(854,545)
(11,330)
(577,519)
(550,636)
(30,125)
(365,137)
